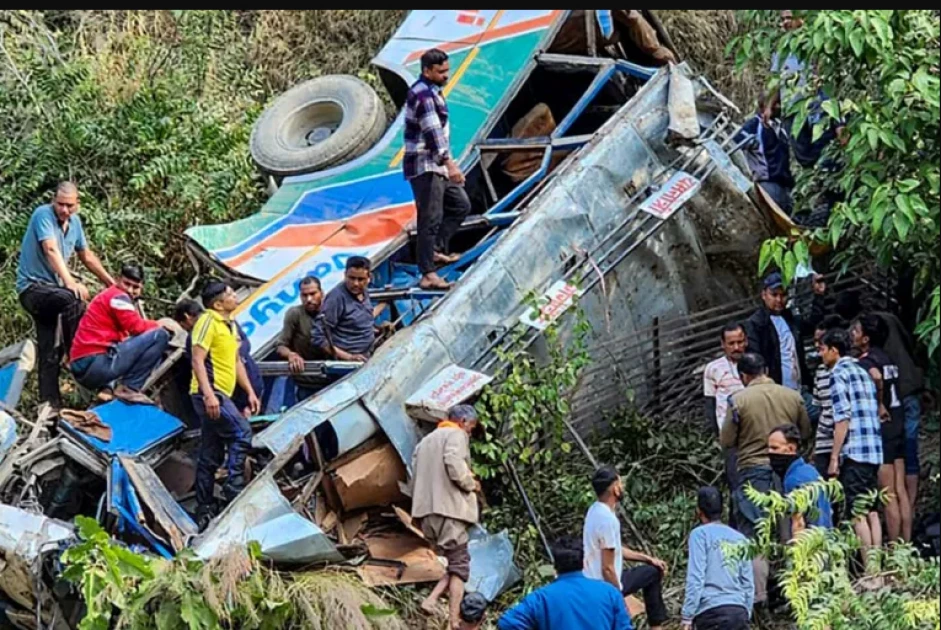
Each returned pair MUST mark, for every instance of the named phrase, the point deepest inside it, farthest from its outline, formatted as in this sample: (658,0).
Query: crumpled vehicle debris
(25,538)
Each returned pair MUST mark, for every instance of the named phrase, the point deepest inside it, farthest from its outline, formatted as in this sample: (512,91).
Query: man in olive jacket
(753,414)
(444,499)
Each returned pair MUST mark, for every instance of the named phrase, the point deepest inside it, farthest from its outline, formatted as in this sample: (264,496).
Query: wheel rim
(311,125)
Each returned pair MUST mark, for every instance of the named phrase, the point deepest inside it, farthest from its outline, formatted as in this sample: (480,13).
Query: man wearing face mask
(754,413)
(783,446)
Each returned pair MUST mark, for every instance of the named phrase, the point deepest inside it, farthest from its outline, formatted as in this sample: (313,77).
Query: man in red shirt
(113,342)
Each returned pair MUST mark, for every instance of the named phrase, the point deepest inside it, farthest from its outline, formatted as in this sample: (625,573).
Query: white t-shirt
(790,365)
(719,381)
(602,531)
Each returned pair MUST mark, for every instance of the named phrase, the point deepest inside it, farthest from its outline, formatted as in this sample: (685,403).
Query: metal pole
(534,517)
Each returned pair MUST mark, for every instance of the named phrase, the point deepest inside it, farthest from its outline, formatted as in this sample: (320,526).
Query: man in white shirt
(720,380)
(605,554)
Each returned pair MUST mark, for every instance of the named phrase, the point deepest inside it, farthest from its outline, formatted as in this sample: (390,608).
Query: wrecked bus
(597,174)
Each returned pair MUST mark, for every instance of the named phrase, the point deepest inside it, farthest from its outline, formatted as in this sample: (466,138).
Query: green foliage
(150,112)
(523,413)
(661,465)
(881,69)
(122,589)
(816,577)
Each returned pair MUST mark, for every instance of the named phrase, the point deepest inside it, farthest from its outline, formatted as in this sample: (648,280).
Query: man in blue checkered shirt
(857,437)
(436,179)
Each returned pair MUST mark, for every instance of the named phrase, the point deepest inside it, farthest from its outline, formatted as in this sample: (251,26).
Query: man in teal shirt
(45,286)
(572,602)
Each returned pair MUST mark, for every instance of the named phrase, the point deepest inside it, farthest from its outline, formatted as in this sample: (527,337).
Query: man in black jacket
(776,333)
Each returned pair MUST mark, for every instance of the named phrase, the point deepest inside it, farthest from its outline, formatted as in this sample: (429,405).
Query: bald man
(46,287)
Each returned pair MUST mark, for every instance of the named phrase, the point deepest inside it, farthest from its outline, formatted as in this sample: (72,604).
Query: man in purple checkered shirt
(857,436)
(436,179)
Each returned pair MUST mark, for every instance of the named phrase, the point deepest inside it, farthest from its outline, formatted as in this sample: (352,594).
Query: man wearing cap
(443,498)
(572,602)
(719,594)
(775,332)
(217,369)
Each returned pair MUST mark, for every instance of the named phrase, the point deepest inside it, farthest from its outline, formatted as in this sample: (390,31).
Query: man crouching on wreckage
(443,497)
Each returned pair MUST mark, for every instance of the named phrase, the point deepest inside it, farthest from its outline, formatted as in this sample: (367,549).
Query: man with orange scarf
(443,497)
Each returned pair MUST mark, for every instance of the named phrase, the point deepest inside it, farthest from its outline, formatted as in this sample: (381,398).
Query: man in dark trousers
(776,333)
(605,554)
(769,157)
(857,439)
(436,179)
(45,286)
(754,413)
(217,369)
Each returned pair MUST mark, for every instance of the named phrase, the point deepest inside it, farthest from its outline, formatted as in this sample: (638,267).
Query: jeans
(227,438)
(912,406)
(442,206)
(130,362)
(722,618)
(47,305)
(648,579)
(761,478)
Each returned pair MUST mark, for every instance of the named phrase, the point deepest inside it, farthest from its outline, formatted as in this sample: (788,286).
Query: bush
(817,574)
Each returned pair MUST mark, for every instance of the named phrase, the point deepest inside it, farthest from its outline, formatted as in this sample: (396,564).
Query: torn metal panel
(727,167)
(302,419)
(684,122)
(451,386)
(372,479)
(424,355)
(7,433)
(492,570)
(262,514)
(16,362)
(24,538)
(167,513)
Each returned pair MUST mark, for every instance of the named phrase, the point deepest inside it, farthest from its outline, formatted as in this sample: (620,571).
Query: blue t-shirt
(801,474)
(43,225)
(572,602)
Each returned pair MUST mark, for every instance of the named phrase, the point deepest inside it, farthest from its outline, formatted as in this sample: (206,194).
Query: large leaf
(902,225)
(905,207)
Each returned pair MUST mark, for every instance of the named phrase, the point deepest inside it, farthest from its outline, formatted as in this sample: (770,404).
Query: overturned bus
(599,173)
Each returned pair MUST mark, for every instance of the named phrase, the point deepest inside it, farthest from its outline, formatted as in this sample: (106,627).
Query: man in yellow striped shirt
(217,369)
